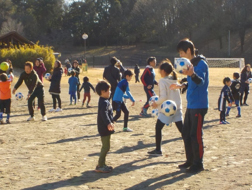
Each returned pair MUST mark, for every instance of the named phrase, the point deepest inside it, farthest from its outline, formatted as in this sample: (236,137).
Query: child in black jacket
(86,85)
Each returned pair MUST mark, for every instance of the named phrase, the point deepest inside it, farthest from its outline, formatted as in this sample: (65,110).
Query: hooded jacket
(55,81)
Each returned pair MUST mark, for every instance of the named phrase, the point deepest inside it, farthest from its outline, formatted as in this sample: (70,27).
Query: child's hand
(133,103)
(154,105)
(28,96)
(229,104)
(175,86)
(111,127)
(149,86)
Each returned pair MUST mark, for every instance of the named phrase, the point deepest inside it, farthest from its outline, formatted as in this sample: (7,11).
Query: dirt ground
(62,152)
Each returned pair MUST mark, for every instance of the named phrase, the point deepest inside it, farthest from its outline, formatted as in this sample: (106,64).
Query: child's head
(166,69)
(152,61)
(57,64)
(3,77)
(113,61)
(128,74)
(85,79)
(236,75)
(227,81)
(103,89)
(72,73)
(186,48)
(75,63)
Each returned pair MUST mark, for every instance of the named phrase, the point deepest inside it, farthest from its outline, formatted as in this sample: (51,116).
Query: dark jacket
(137,70)
(235,88)
(87,86)
(112,75)
(32,81)
(105,117)
(77,72)
(244,77)
(148,76)
(55,81)
(40,70)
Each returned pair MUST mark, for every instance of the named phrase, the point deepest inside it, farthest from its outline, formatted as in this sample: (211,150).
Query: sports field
(62,152)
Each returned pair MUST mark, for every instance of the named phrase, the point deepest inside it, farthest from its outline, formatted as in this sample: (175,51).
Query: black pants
(159,127)
(246,92)
(120,106)
(39,93)
(137,78)
(192,135)
(5,106)
(78,91)
(56,98)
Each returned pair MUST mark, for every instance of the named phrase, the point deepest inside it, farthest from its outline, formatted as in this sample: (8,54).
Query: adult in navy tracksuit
(197,106)
(148,80)
(245,75)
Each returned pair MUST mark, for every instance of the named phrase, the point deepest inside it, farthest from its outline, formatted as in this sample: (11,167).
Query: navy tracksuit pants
(149,94)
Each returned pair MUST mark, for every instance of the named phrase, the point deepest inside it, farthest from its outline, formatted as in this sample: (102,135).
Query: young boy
(148,80)
(105,124)
(225,96)
(86,85)
(137,71)
(73,82)
(235,89)
(122,87)
(5,96)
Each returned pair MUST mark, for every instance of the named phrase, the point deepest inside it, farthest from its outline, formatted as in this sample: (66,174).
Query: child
(137,71)
(86,85)
(235,89)
(245,75)
(224,96)
(122,87)
(65,71)
(105,124)
(165,93)
(148,80)
(5,96)
(73,82)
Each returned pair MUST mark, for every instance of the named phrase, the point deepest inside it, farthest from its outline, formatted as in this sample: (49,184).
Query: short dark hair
(226,79)
(186,44)
(3,77)
(150,59)
(85,79)
(72,73)
(102,86)
(113,60)
(128,72)
(236,75)
(29,64)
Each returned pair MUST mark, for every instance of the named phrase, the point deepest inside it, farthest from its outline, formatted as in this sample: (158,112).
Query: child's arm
(162,94)
(91,86)
(105,116)
(130,96)
(82,86)
(145,76)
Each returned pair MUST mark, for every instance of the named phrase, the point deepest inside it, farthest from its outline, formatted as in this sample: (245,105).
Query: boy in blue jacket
(73,82)
(121,89)
(148,80)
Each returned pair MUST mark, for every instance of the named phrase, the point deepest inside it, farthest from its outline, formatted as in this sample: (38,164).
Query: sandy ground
(62,152)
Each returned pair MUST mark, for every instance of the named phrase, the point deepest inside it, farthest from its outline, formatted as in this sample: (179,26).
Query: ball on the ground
(168,108)
(19,96)
(181,63)
(4,66)
(153,99)
(69,70)
(250,80)
(154,113)
(47,75)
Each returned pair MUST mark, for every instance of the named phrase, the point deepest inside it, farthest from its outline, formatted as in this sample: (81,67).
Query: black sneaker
(227,114)
(8,121)
(245,104)
(155,153)
(238,115)
(195,169)
(185,165)
(104,169)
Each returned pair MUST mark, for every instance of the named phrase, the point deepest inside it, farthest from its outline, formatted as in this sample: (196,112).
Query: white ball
(69,70)
(168,108)
(19,96)
(154,113)
(181,63)
(47,75)
(250,80)
(153,99)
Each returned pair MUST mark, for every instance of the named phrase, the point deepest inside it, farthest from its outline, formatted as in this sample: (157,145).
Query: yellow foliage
(24,53)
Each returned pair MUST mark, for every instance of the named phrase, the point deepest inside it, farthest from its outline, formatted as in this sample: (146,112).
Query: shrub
(19,56)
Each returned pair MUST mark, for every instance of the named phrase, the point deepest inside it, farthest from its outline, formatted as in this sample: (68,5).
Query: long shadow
(70,116)
(80,108)
(210,121)
(131,118)
(74,139)
(91,176)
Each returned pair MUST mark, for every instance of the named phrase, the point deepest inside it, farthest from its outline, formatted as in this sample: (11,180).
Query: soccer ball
(69,70)
(47,75)
(168,108)
(153,99)
(4,66)
(181,63)
(19,96)
(250,80)
(154,113)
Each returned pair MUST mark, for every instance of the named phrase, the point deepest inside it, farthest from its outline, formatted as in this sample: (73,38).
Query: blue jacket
(197,93)
(148,76)
(73,82)
(122,87)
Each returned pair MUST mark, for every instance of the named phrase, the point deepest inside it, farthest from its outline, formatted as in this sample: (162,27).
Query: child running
(105,124)
(73,82)
(5,96)
(169,77)
(123,87)
(148,80)
(225,96)
(235,89)
(86,85)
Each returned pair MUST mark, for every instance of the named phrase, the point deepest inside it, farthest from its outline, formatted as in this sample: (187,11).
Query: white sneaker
(127,130)
(79,100)
(44,118)
(31,118)
(52,110)
(58,110)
